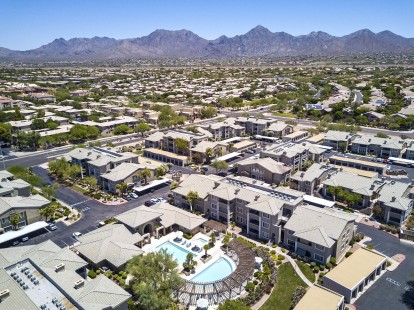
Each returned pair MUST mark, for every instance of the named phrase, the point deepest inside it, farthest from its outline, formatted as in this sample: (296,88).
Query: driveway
(387,292)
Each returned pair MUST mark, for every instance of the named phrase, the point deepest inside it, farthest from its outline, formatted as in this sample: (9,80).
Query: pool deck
(215,252)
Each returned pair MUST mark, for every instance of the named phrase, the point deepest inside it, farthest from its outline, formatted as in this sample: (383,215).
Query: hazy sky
(27,24)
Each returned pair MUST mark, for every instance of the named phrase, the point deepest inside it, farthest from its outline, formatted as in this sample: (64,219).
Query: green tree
(144,174)
(121,129)
(91,181)
(5,133)
(230,304)
(209,153)
(376,210)
(142,128)
(160,171)
(181,145)
(192,197)
(49,191)
(219,165)
(189,262)
(38,124)
(15,219)
(48,211)
(154,279)
(206,247)
(208,112)
(196,157)
(80,133)
(382,135)
(334,191)
(122,187)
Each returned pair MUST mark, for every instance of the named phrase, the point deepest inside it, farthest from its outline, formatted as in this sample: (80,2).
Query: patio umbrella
(202,303)
(258,260)
(179,234)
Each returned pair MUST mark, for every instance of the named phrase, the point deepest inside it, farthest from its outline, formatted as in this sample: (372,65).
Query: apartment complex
(264,169)
(308,181)
(380,147)
(225,129)
(338,140)
(253,125)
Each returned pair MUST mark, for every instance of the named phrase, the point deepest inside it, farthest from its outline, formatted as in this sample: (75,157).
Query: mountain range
(258,42)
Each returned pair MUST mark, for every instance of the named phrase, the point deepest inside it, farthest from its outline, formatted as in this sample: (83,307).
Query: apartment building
(296,136)
(293,154)
(226,129)
(338,140)
(308,181)
(199,151)
(258,210)
(264,169)
(279,129)
(380,147)
(346,162)
(409,154)
(96,161)
(254,126)
(319,233)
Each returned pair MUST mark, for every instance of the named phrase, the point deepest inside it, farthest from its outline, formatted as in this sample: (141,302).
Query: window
(239,219)
(265,225)
(319,247)
(214,206)
(291,242)
(265,235)
(319,258)
(240,209)
(213,214)
(265,215)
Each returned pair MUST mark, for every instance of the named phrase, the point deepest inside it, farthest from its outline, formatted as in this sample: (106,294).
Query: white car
(76,234)
(133,195)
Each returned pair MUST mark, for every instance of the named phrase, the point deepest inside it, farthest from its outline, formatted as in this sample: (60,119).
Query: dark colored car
(148,203)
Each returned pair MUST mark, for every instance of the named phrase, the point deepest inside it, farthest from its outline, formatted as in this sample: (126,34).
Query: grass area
(77,188)
(307,271)
(287,282)
(291,115)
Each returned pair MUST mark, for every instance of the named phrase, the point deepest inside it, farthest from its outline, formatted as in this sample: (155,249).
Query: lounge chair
(199,251)
(188,244)
(183,242)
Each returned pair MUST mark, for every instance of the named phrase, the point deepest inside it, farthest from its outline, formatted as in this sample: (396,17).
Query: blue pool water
(216,271)
(178,253)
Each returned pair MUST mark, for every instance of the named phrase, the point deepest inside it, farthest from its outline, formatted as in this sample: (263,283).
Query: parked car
(100,224)
(205,168)
(25,238)
(385,161)
(149,203)
(52,227)
(133,195)
(76,234)
(222,173)
(15,242)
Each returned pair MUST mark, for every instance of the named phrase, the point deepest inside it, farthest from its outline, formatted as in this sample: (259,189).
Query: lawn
(287,282)
(291,115)
(307,271)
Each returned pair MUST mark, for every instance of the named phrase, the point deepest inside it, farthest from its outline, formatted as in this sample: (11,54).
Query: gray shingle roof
(266,163)
(172,215)
(34,201)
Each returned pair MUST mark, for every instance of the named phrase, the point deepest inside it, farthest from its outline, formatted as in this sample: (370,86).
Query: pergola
(227,288)
(215,225)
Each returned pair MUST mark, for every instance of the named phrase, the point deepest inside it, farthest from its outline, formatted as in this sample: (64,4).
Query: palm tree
(206,248)
(14,220)
(209,153)
(192,197)
(144,174)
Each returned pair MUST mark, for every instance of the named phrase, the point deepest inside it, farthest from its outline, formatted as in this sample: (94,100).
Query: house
(308,181)
(108,124)
(264,169)
(253,125)
(380,147)
(58,274)
(112,246)
(200,149)
(373,116)
(319,234)
(409,154)
(125,173)
(357,272)
(243,145)
(42,96)
(96,161)
(320,298)
(296,136)
(338,140)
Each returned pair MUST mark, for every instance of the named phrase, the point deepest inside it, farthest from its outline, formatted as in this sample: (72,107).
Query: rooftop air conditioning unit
(79,283)
(59,267)
(4,293)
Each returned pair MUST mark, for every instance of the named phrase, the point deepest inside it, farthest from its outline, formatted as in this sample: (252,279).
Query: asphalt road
(388,291)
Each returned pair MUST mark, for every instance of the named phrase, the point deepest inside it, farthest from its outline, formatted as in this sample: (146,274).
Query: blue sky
(27,24)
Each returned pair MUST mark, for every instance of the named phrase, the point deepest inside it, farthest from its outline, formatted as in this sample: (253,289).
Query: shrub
(352,242)
(92,274)
(273,252)
(321,268)
(297,296)
(283,250)
(124,276)
(333,261)
(316,269)
(98,271)
(370,246)
(274,246)
(255,282)
(328,265)
(313,264)
(347,254)
(280,257)
(257,274)
(249,287)
(278,262)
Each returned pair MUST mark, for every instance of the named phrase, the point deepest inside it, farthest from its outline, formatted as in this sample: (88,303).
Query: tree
(230,304)
(142,128)
(80,133)
(144,174)
(49,191)
(334,191)
(206,247)
(122,187)
(209,153)
(382,135)
(121,129)
(38,124)
(196,157)
(15,219)
(49,210)
(226,240)
(189,262)
(181,145)
(5,133)
(192,197)
(154,279)
(219,165)
(28,140)
(213,238)
(376,210)
(160,171)
(91,181)
(173,185)
(208,112)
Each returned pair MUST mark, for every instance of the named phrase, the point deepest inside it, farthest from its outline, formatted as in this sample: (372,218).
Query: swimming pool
(220,269)
(177,252)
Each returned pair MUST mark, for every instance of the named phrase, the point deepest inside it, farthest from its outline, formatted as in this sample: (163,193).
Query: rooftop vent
(237,190)
(393,198)
(79,283)
(59,267)
(372,186)
(4,293)
(256,197)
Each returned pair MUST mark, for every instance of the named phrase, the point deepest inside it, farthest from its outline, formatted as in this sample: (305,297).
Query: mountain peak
(260,30)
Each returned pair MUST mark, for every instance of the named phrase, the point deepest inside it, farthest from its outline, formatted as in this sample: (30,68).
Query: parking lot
(388,292)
